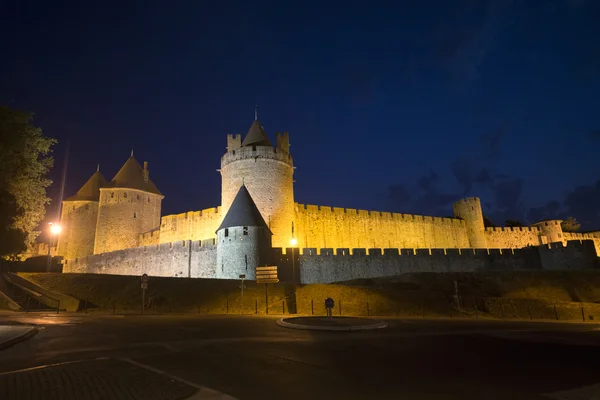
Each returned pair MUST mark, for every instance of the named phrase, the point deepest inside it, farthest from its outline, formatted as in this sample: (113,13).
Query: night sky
(390,106)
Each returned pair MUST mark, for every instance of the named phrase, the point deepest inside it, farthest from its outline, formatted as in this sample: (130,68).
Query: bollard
(340,306)
(226,306)
(530,316)
(582,314)
(423,309)
(198,310)
(502,306)
(368,313)
(555,312)
(256,306)
(312,307)
(476,312)
(27,306)
(283,306)
(57,306)
(85,307)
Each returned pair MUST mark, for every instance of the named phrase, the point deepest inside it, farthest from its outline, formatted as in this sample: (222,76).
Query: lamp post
(54,232)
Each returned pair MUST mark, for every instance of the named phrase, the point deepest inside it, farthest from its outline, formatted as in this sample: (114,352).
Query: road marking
(42,367)
(581,393)
(203,392)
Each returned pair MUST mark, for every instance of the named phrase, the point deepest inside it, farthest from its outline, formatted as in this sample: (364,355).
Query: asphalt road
(250,357)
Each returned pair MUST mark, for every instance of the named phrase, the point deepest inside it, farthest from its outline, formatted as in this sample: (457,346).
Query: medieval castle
(116,227)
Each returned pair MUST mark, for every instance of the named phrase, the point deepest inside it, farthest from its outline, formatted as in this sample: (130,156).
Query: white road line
(203,392)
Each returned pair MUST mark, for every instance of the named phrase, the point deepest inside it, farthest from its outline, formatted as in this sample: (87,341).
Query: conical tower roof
(131,176)
(256,136)
(91,189)
(243,212)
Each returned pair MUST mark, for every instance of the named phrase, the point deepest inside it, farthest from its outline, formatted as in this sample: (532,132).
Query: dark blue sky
(389,106)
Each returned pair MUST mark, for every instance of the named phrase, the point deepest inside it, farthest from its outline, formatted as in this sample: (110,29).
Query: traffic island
(332,323)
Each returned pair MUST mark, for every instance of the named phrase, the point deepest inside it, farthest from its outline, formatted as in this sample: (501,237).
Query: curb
(379,325)
(24,336)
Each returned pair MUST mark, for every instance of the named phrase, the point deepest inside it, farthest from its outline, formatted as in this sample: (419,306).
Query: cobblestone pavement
(93,379)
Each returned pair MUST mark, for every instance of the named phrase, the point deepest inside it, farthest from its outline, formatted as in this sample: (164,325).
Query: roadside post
(266,275)
(144,285)
(329,304)
(242,277)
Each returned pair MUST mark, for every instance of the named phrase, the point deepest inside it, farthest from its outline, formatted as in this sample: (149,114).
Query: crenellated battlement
(256,153)
(514,229)
(388,252)
(311,208)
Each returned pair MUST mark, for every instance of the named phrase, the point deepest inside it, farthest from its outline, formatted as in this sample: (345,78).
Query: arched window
(245,231)
(134,215)
(112,195)
(125,195)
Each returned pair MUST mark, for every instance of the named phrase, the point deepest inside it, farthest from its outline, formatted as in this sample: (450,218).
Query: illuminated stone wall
(78,222)
(123,215)
(192,225)
(189,259)
(514,237)
(593,236)
(321,227)
(330,266)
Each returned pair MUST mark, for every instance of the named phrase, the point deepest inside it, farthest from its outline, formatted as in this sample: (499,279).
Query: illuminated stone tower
(552,229)
(243,239)
(267,172)
(78,220)
(129,205)
(469,210)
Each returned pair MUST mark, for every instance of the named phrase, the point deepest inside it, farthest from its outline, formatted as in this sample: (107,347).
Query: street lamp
(55,230)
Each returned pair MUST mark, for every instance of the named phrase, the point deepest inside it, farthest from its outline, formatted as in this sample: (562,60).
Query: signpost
(329,304)
(242,277)
(266,275)
(144,284)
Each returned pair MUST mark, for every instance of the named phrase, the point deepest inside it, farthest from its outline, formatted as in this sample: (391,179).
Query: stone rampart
(336,265)
(514,237)
(189,259)
(192,225)
(324,227)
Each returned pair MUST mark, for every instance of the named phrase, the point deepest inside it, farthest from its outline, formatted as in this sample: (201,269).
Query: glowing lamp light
(293,242)
(55,229)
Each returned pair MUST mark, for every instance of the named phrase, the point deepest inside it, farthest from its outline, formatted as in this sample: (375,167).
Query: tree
(513,223)
(24,163)
(570,225)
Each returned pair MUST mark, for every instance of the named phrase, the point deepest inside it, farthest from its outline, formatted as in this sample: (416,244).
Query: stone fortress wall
(323,227)
(198,259)
(185,258)
(192,225)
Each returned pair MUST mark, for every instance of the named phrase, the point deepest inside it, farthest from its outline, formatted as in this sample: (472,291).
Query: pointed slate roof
(131,176)
(91,189)
(256,136)
(243,212)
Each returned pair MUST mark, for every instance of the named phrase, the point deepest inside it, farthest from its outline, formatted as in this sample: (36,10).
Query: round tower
(78,220)
(552,229)
(129,205)
(243,239)
(267,173)
(469,210)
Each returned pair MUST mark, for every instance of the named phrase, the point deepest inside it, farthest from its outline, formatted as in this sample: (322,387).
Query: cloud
(399,195)
(467,174)
(583,202)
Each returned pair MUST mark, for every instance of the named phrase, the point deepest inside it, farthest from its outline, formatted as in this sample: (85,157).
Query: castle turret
(267,172)
(78,220)
(129,205)
(243,239)
(552,229)
(469,210)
